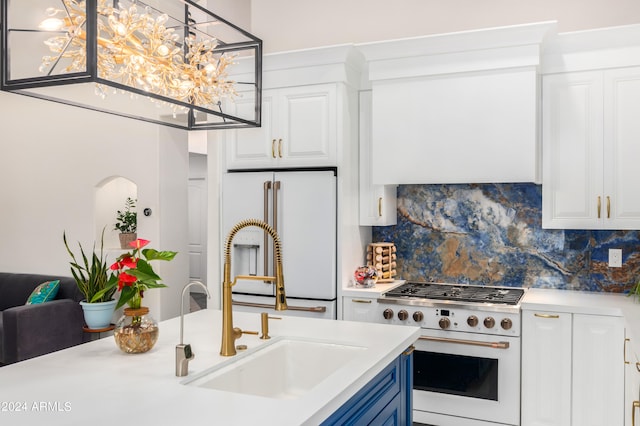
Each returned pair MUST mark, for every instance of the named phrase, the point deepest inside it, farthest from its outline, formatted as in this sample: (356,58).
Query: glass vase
(136,331)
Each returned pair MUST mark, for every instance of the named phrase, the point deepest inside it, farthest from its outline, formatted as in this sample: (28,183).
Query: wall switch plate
(615,258)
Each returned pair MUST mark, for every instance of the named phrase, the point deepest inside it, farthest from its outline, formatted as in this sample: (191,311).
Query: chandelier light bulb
(163,50)
(51,24)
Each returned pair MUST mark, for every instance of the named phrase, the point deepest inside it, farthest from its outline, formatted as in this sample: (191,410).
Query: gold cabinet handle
(624,354)
(547,316)
(360,301)
(380,207)
(280,148)
(638,366)
(608,207)
(634,407)
(599,206)
(273,148)
(409,350)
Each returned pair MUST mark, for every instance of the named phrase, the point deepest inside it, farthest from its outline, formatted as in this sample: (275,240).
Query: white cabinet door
(572,150)
(252,147)
(598,370)
(298,129)
(572,369)
(546,368)
(590,150)
(378,204)
(306,133)
(631,381)
(622,148)
(361,309)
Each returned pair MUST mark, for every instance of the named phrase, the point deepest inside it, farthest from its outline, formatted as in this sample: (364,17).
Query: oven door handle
(496,345)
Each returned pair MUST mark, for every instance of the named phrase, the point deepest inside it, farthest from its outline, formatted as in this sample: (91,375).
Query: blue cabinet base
(385,400)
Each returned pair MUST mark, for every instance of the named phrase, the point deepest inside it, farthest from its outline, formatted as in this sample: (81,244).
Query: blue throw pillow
(44,292)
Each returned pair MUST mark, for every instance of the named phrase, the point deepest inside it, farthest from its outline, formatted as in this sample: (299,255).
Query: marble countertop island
(95,383)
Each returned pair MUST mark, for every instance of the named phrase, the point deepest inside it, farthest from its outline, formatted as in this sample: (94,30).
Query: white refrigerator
(301,205)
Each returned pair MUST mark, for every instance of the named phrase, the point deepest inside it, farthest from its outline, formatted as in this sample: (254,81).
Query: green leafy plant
(92,276)
(133,274)
(635,290)
(127,219)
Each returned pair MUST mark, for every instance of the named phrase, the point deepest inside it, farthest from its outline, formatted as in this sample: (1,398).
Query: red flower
(128,261)
(125,279)
(139,243)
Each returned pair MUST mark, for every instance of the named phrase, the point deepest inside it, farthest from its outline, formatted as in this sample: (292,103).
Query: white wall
(52,157)
(238,12)
(295,24)
(172,212)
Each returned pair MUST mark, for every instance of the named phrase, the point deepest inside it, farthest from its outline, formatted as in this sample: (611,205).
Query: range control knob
(472,321)
(489,322)
(418,316)
(444,323)
(506,323)
(387,314)
(403,315)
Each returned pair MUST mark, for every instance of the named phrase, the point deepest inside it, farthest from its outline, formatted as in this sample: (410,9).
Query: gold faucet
(229,332)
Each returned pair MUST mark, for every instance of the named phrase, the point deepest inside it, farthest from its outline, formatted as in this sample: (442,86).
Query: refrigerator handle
(274,225)
(266,187)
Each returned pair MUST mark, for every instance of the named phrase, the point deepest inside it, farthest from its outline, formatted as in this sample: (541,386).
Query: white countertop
(588,303)
(372,292)
(96,383)
(579,302)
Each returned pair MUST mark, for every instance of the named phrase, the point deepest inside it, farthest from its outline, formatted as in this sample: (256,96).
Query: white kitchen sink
(281,369)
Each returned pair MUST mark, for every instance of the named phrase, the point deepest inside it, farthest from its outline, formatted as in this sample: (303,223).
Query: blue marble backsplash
(491,234)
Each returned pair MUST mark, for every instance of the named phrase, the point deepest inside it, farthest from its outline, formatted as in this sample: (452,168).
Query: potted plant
(133,274)
(127,223)
(92,279)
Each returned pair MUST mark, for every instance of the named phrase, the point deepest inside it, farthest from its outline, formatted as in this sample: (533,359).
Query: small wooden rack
(382,256)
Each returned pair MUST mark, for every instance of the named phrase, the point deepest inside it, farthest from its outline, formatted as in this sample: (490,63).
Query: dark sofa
(27,331)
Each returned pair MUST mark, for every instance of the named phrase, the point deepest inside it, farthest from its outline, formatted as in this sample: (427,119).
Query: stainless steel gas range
(467,359)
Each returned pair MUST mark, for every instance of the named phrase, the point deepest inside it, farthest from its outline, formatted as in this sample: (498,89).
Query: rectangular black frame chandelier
(169,62)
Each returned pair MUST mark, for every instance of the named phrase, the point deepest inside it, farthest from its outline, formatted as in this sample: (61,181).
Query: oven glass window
(456,374)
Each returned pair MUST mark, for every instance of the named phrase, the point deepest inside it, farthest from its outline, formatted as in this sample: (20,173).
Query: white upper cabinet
(590,150)
(456,108)
(298,129)
(378,203)
(309,118)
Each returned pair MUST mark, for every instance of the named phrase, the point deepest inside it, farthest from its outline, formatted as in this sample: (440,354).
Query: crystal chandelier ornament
(136,52)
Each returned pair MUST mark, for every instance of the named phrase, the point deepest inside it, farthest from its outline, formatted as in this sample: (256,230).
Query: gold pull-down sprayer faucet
(229,332)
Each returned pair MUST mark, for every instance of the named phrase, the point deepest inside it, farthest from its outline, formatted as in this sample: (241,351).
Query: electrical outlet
(615,258)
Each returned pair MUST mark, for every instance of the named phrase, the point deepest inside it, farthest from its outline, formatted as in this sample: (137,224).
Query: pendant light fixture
(169,62)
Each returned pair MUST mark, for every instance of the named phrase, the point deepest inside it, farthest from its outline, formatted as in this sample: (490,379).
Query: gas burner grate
(460,293)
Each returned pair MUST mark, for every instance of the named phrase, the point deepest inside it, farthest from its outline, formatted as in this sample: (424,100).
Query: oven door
(466,379)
